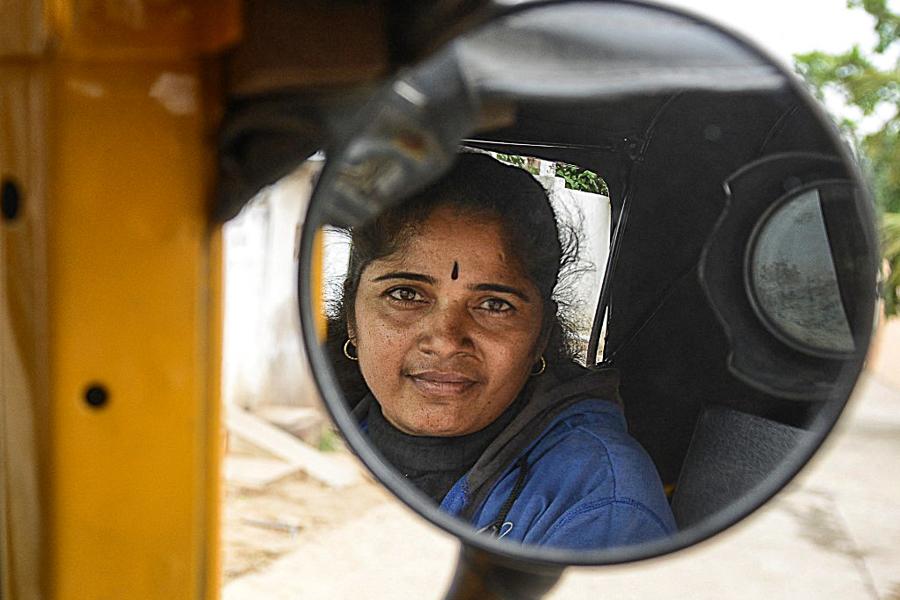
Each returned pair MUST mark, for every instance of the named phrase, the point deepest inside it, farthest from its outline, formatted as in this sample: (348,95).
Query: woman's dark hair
(476,185)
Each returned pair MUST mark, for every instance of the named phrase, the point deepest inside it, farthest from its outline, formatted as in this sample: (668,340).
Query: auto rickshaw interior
(670,164)
(739,295)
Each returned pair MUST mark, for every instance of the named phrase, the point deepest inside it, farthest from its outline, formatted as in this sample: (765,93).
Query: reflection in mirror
(455,352)
(793,278)
(459,308)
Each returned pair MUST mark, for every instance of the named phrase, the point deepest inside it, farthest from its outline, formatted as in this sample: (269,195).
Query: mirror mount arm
(481,575)
(404,138)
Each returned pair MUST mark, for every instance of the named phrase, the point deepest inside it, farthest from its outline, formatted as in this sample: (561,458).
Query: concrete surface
(884,355)
(834,533)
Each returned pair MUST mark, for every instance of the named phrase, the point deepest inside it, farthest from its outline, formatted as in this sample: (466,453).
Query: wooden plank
(297,420)
(254,472)
(330,470)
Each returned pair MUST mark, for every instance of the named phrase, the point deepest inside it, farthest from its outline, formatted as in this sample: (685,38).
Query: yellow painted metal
(214,434)
(129,311)
(23,27)
(142,30)
(24,375)
(317,283)
(111,278)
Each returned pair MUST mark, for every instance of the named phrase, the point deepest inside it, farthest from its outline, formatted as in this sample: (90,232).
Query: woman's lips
(441,383)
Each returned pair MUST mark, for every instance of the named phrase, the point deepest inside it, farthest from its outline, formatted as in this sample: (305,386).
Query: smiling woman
(447,356)
(460,370)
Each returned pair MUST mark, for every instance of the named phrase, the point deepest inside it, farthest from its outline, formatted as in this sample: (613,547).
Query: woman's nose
(446,330)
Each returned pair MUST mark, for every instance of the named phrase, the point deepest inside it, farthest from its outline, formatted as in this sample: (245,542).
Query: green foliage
(887,24)
(518,161)
(873,90)
(853,75)
(512,159)
(890,240)
(577,178)
(882,152)
(330,440)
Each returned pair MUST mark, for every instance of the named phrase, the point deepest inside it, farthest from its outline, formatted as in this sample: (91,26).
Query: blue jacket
(564,473)
(587,485)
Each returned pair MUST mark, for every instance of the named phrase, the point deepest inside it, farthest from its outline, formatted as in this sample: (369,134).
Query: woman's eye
(496,305)
(404,294)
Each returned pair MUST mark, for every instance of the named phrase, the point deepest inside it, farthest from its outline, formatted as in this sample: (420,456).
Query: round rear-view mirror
(552,408)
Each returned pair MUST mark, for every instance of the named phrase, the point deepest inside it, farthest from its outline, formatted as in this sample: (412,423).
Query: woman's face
(447,328)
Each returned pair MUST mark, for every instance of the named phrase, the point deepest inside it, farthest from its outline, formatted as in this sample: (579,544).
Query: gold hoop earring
(542,369)
(347,345)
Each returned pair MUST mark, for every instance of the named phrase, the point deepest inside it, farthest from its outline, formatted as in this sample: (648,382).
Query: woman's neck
(433,464)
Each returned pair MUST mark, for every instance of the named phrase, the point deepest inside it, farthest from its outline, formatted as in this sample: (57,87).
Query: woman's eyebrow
(499,287)
(407,275)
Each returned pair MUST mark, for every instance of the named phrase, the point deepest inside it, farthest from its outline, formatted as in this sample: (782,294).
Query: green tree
(512,159)
(577,178)
(890,239)
(855,75)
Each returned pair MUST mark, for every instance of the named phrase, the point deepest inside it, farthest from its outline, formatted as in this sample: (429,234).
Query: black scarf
(433,464)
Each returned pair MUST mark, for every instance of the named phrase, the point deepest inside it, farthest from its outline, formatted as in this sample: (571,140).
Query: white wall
(263,360)
(590,215)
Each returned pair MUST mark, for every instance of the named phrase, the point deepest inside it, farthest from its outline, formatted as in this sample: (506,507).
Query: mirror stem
(634,150)
(484,576)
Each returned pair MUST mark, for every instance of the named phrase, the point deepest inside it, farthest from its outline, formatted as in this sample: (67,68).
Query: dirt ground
(261,525)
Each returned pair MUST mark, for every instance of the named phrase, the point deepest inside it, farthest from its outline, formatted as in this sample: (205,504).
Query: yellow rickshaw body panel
(111,277)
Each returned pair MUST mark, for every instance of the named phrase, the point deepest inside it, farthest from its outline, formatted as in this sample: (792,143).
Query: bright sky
(788,27)
(785,27)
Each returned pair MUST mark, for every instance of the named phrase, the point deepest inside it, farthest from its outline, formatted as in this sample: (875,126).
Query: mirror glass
(794,279)
(524,282)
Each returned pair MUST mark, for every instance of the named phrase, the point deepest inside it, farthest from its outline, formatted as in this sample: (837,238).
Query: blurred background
(303,520)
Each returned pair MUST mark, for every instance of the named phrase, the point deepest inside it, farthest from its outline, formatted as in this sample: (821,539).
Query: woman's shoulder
(589,441)
(589,484)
